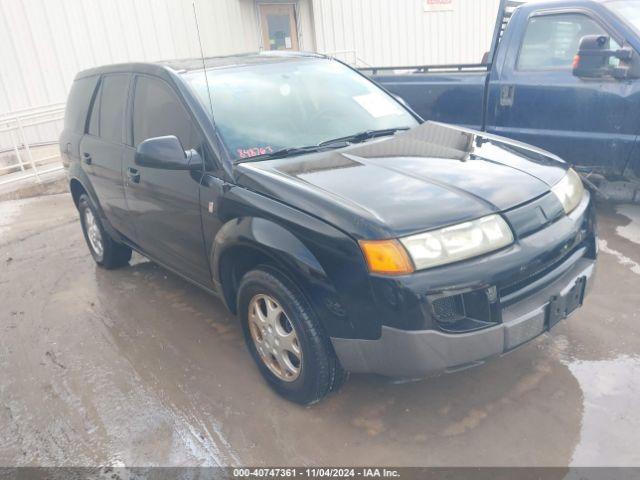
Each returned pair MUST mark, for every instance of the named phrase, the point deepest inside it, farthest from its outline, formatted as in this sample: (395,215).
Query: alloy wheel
(93,232)
(275,337)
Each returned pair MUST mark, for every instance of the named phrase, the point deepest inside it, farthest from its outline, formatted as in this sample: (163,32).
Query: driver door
(538,100)
(163,204)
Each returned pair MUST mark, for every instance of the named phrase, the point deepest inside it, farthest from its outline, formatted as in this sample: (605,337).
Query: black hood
(428,177)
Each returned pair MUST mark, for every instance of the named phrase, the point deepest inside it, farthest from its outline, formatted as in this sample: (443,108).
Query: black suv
(346,234)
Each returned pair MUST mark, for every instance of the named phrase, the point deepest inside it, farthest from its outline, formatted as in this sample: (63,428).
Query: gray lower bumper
(403,353)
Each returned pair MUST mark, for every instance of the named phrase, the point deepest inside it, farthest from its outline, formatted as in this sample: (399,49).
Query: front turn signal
(387,257)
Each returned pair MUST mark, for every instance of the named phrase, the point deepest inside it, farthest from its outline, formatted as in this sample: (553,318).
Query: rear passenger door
(75,118)
(102,147)
(165,204)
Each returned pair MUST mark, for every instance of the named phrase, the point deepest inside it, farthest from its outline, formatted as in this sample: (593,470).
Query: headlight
(458,242)
(569,190)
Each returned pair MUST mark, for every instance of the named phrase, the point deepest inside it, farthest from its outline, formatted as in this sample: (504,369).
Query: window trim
(95,96)
(562,11)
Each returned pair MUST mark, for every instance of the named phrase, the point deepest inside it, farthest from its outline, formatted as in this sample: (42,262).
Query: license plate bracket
(561,306)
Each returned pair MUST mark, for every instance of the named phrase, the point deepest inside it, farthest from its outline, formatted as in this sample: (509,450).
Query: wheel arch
(246,243)
(78,185)
(76,188)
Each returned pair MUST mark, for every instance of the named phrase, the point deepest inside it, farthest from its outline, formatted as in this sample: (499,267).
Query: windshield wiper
(342,141)
(362,136)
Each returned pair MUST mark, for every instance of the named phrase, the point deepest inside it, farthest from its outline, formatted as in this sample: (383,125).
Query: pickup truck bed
(449,97)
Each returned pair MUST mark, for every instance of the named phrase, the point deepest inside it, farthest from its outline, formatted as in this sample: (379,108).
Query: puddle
(609,433)
(622,259)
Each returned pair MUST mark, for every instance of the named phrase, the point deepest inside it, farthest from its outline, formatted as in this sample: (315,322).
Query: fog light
(466,311)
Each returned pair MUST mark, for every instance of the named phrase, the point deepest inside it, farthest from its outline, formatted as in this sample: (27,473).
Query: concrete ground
(138,367)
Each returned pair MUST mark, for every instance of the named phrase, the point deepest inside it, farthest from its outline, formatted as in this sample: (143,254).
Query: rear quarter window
(78,103)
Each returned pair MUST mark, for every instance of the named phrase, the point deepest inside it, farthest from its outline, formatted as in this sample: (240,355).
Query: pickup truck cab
(346,234)
(563,75)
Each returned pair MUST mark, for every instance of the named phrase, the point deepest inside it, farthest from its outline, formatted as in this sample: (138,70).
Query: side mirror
(195,160)
(594,55)
(162,152)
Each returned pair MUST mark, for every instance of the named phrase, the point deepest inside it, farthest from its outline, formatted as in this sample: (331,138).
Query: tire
(318,369)
(106,252)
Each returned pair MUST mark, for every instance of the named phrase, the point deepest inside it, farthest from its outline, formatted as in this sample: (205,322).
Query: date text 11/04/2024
(327,472)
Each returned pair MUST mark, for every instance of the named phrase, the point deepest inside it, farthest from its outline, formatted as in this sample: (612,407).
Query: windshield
(628,10)
(260,109)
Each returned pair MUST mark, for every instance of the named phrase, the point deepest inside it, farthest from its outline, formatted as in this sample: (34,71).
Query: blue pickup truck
(563,75)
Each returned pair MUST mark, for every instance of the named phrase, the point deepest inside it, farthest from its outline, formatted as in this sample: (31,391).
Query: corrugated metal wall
(44,43)
(400,32)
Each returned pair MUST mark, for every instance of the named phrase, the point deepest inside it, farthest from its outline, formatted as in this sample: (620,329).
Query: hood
(429,177)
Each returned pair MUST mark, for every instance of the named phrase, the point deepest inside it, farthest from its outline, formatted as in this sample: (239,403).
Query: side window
(157,111)
(78,102)
(107,112)
(551,41)
(112,104)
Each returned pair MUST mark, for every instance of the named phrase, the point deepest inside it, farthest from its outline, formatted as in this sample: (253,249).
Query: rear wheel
(105,251)
(285,339)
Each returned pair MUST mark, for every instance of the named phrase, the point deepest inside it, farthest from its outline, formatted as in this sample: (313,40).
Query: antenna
(204,66)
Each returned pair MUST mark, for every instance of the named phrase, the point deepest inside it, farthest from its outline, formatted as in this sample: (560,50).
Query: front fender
(294,257)
(270,239)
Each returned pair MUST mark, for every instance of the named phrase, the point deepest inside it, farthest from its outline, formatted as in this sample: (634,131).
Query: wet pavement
(138,367)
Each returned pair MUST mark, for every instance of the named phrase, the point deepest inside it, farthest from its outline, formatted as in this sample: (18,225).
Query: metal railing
(15,124)
(465,67)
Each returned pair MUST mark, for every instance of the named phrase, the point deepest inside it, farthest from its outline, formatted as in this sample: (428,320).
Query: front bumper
(416,353)
(527,308)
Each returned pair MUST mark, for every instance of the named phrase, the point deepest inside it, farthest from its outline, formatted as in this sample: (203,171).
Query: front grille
(538,279)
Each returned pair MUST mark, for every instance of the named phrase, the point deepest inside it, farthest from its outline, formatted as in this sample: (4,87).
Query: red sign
(438,5)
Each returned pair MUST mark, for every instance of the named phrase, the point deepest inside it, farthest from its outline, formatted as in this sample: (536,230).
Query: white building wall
(306,31)
(44,43)
(401,33)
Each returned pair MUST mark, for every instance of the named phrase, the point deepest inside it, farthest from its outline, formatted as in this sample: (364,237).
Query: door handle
(86,157)
(133,175)
(507,94)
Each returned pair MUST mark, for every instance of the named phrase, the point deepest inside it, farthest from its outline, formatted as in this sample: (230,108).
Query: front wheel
(285,339)
(105,250)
